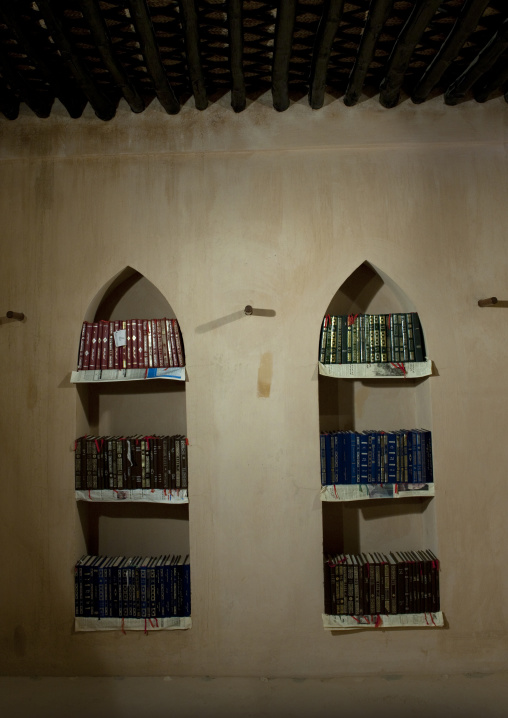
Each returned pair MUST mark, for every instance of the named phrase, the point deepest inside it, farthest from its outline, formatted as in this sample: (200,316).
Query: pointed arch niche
(129,408)
(355,523)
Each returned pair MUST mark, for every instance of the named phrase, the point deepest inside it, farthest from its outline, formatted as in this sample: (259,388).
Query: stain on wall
(265,372)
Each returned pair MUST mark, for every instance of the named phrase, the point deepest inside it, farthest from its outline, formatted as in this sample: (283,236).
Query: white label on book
(119,338)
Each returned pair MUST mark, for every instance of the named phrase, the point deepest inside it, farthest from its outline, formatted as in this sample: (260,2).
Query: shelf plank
(91,376)
(364,492)
(396,620)
(175,623)
(155,496)
(402,370)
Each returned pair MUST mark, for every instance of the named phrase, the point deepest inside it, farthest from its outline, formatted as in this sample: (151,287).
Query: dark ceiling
(89,51)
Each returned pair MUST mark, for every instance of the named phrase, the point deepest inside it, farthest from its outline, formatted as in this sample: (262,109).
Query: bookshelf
(364,519)
(132,522)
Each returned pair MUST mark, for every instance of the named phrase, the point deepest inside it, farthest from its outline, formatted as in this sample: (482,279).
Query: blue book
(364,458)
(391,457)
(186,608)
(353,458)
(322,449)
(143,586)
(427,466)
(335,454)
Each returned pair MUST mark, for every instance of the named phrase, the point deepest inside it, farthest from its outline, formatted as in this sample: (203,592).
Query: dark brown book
(81,351)
(179,343)
(170,329)
(165,350)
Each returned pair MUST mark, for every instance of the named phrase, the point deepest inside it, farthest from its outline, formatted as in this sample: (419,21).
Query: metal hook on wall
(15,315)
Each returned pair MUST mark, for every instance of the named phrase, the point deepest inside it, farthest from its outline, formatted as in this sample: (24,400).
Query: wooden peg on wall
(15,315)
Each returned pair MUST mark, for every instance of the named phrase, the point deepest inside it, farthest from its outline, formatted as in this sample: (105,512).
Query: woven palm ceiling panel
(176,51)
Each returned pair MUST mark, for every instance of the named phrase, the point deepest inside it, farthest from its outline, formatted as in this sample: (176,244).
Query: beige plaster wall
(274,210)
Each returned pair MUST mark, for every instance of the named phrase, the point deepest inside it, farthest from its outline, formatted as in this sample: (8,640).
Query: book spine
(105,344)
(178,463)
(144,333)
(420,353)
(179,343)
(323,339)
(81,351)
(383,352)
(165,351)
(155,344)
(410,337)
(160,350)
(94,345)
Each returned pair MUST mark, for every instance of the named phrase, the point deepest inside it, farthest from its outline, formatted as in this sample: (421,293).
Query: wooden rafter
(39,102)
(327,29)
(405,44)
(72,99)
(492,82)
(378,14)
(103,106)
(284,28)
(465,24)
(191,31)
(92,14)
(143,24)
(479,66)
(238,99)
(9,103)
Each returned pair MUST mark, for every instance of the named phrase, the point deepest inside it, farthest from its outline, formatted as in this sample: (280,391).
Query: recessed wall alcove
(381,405)
(125,408)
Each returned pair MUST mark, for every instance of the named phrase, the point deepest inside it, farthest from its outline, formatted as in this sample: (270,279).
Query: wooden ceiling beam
(491,83)
(327,29)
(479,66)
(102,105)
(464,25)
(415,26)
(235,25)
(191,32)
(9,103)
(378,14)
(71,98)
(148,42)
(92,14)
(284,28)
(39,102)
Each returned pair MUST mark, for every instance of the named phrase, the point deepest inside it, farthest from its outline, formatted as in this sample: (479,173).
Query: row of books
(130,344)
(131,462)
(376,457)
(371,338)
(377,583)
(132,587)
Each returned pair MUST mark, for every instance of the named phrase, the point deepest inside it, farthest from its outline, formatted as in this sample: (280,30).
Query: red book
(160,350)
(111,346)
(155,348)
(134,343)
(117,354)
(94,345)
(104,344)
(128,344)
(123,349)
(141,359)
